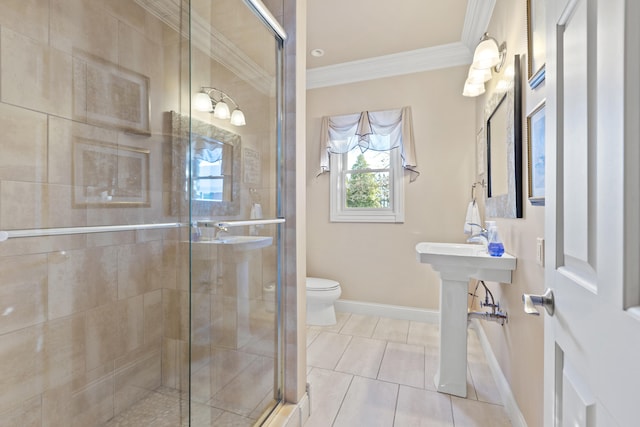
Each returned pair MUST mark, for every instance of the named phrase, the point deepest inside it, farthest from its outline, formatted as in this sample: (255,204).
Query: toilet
(321,296)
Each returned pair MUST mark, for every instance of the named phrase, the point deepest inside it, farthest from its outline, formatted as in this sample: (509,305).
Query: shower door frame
(279,34)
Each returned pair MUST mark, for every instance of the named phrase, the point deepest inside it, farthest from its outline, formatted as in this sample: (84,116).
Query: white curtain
(369,130)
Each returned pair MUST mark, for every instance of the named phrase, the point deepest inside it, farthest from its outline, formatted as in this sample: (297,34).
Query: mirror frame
(182,130)
(507,205)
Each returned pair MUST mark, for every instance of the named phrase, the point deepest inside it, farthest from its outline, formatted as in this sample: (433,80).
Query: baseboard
(386,310)
(508,399)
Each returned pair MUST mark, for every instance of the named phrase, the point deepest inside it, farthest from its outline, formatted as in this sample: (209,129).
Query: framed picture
(109,95)
(252,166)
(536,156)
(536,43)
(109,175)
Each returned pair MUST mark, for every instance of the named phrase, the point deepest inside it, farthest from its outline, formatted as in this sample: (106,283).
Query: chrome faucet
(481,237)
(219,229)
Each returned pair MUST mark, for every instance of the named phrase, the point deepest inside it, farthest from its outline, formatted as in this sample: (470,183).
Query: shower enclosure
(140,227)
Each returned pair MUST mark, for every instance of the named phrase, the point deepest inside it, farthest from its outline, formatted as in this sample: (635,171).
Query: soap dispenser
(495,246)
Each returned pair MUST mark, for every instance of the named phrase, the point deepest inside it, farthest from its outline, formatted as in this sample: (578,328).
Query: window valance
(369,130)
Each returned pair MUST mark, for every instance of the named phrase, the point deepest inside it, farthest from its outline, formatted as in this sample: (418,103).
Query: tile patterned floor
(364,371)
(373,371)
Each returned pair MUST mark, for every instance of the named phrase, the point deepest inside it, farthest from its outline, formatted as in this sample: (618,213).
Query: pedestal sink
(240,243)
(456,263)
(233,254)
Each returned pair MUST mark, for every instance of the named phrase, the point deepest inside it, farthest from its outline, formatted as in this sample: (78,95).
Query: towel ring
(473,188)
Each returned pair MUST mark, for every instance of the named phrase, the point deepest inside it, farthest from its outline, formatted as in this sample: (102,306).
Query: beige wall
(518,345)
(377,262)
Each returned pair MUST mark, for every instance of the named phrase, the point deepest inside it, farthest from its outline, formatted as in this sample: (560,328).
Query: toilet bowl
(321,296)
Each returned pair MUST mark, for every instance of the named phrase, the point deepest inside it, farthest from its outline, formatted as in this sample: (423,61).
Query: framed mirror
(208,168)
(503,125)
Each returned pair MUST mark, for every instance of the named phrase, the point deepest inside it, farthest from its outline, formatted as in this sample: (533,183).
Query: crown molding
(476,21)
(413,61)
(211,42)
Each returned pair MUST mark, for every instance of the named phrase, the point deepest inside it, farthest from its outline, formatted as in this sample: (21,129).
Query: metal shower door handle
(545,300)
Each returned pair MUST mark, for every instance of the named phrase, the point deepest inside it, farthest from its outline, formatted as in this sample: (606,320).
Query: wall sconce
(206,100)
(489,56)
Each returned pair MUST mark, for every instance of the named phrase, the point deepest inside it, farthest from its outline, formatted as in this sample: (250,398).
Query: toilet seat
(317,284)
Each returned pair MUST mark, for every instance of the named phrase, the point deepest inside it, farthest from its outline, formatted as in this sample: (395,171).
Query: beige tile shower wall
(376,263)
(81,330)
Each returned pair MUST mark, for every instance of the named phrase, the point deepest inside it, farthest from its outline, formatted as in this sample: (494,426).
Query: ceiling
(365,39)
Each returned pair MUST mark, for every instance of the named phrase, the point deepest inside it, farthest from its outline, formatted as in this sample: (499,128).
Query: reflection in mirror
(503,117)
(211,169)
(214,172)
(497,180)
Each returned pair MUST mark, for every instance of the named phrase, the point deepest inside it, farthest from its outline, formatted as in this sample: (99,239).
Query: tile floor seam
(335,417)
(385,381)
(344,350)
(424,363)
(386,345)
(453,418)
(395,408)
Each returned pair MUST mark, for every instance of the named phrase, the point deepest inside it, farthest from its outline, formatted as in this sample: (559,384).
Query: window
(208,180)
(369,152)
(367,186)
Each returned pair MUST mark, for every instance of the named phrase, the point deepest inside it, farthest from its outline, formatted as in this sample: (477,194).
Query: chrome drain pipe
(498,316)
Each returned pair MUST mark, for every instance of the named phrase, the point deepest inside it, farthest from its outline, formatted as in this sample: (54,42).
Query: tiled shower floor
(164,408)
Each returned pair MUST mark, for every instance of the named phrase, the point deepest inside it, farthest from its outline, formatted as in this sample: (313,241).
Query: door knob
(545,300)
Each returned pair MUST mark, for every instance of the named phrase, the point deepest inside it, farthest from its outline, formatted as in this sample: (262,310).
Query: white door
(592,342)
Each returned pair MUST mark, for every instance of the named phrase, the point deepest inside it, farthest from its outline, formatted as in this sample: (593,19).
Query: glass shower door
(232,181)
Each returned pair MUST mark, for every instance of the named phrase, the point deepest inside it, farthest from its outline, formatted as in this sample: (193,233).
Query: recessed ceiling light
(317,52)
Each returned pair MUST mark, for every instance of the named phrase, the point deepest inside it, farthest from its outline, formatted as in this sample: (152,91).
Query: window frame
(339,212)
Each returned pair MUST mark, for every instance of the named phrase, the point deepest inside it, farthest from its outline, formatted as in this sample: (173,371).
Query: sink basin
(240,243)
(466,261)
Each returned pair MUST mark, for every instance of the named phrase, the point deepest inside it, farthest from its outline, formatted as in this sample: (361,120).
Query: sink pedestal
(456,264)
(232,256)
(451,376)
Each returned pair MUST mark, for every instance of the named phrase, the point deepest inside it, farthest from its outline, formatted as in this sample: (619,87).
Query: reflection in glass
(497,147)
(212,168)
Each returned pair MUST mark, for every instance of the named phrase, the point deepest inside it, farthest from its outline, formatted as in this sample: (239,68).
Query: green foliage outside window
(366,189)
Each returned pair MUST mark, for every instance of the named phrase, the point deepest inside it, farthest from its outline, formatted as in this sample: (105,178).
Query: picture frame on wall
(109,95)
(536,154)
(536,42)
(109,175)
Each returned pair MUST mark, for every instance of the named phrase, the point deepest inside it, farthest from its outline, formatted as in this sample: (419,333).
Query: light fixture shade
(478,76)
(486,54)
(221,111)
(472,89)
(202,102)
(237,118)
